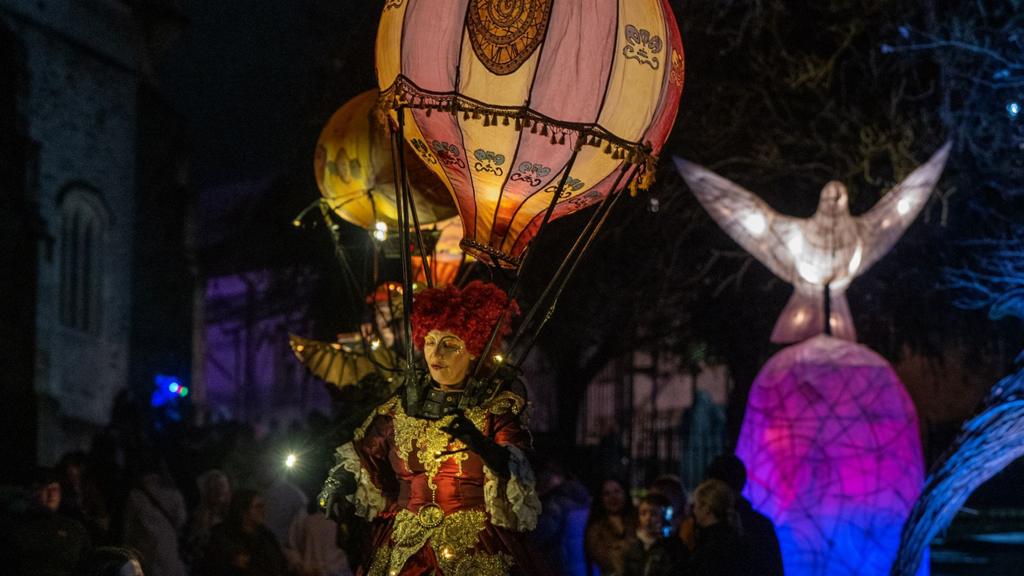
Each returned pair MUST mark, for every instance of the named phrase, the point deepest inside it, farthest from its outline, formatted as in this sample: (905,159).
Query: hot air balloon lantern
(356,176)
(529,110)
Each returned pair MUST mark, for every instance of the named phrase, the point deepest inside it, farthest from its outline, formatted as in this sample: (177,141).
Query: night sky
(252,78)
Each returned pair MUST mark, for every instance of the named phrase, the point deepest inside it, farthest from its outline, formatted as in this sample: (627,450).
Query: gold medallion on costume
(430,516)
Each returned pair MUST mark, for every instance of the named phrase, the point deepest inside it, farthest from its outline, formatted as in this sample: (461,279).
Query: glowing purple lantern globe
(833,452)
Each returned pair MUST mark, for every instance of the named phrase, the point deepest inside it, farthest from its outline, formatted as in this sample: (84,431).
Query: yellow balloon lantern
(512,102)
(356,176)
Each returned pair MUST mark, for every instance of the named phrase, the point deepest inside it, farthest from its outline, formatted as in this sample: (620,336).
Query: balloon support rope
(607,206)
(572,257)
(397,140)
(514,290)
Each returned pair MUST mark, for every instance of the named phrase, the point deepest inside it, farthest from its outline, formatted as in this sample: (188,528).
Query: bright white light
(375,344)
(809,272)
(380,231)
(291,460)
(903,206)
(1013,109)
(754,223)
(796,244)
(855,261)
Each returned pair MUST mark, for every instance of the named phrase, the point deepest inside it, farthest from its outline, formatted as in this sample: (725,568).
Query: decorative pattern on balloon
(678,69)
(532,174)
(571,185)
(505,33)
(487,161)
(448,153)
(421,149)
(642,47)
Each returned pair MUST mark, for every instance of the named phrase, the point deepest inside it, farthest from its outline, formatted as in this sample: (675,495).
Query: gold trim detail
(452,542)
(433,445)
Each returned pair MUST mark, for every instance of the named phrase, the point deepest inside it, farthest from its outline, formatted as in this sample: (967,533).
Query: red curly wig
(470,313)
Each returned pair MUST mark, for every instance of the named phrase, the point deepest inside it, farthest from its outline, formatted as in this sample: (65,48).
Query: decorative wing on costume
(341,364)
(881,227)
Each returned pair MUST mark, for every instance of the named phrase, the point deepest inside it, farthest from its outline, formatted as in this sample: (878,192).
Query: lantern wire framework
(987,443)
(830,440)
(475,59)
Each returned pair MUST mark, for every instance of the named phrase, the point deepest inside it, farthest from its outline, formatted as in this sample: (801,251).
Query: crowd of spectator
(219,500)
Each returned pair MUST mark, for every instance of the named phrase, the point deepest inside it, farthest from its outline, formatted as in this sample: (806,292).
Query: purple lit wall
(249,372)
(831,443)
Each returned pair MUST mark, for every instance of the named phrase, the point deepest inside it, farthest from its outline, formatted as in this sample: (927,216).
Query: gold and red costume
(434,505)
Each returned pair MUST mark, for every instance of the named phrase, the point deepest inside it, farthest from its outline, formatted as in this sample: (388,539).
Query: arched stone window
(84,222)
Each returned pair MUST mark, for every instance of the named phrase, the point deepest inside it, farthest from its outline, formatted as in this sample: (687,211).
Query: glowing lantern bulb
(290,460)
(380,231)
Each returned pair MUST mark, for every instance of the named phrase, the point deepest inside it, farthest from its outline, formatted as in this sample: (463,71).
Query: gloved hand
(333,496)
(496,457)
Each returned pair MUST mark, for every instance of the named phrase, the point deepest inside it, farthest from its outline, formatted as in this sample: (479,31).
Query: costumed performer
(439,469)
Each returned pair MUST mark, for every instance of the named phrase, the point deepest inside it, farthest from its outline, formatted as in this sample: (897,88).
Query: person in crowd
(758,529)
(611,526)
(37,539)
(655,551)
(71,469)
(214,499)
(154,513)
(242,545)
(112,561)
(565,506)
(286,503)
(312,547)
(440,468)
(81,498)
(671,487)
(721,549)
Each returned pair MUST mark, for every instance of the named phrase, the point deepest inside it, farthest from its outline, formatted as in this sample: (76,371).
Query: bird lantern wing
(751,222)
(882,226)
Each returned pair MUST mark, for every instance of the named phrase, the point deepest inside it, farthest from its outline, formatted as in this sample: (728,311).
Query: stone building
(74,87)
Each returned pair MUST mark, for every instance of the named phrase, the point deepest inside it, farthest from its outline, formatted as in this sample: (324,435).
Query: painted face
(613,497)
(447,357)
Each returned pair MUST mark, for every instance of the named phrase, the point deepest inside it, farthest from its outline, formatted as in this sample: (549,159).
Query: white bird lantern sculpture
(829,249)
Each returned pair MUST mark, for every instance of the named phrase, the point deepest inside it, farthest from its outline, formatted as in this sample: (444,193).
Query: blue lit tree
(994,437)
